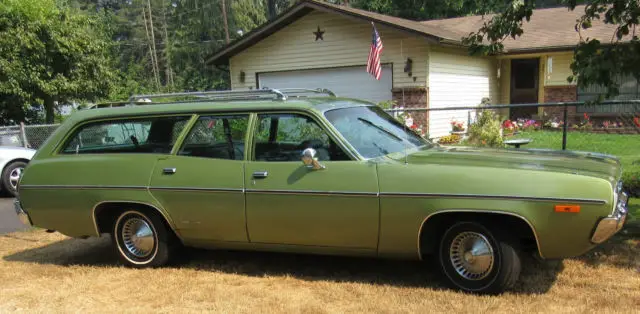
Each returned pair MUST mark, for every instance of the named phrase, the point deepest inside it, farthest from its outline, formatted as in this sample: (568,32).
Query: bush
(449,139)
(631,179)
(486,131)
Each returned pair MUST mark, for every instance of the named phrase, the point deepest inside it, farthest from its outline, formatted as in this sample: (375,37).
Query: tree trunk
(153,38)
(156,75)
(271,9)
(49,106)
(224,20)
(167,50)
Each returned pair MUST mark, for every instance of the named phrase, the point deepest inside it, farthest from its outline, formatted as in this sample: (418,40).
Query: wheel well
(14,160)
(105,214)
(515,226)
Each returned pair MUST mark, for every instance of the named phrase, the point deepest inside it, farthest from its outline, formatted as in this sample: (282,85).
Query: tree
(51,54)
(595,62)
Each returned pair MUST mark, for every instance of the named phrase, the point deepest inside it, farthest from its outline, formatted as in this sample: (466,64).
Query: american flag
(373,64)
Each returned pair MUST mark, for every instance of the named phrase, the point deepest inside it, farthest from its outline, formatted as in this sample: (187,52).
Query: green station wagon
(295,171)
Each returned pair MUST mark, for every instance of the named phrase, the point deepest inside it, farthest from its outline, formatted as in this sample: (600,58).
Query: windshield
(373,132)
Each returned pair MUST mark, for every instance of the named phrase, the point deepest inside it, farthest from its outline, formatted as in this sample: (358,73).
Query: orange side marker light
(567,208)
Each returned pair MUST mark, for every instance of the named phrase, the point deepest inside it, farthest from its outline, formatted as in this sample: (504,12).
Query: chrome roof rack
(232,95)
(227,95)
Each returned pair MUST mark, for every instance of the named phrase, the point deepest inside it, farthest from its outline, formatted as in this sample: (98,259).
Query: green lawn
(624,146)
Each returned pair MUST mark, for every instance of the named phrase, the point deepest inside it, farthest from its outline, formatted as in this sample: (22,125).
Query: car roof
(318,104)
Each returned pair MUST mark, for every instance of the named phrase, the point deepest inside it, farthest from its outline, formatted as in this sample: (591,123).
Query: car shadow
(537,277)
(622,250)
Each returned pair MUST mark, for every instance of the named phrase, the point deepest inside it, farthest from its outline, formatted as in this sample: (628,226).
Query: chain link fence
(611,127)
(30,136)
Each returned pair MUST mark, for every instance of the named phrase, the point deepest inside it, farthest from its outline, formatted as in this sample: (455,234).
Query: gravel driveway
(9,222)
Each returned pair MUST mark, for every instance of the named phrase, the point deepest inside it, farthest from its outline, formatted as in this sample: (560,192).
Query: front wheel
(477,260)
(142,239)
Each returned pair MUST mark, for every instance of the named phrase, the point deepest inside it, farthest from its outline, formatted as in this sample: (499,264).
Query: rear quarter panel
(59,192)
(439,188)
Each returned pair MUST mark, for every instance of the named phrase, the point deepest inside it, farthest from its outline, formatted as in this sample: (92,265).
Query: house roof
(434,34)
(548,29)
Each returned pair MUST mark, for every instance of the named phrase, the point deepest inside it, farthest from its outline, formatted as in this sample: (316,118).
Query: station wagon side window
(220,137)
(155,135)
(283,137)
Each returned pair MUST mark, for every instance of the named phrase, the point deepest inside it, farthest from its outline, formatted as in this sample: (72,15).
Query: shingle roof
(548,28)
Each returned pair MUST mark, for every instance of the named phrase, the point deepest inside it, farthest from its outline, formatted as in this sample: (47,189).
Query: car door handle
(169,170)
(260,174)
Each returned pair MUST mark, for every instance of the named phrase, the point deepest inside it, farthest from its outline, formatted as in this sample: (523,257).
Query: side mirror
(309,159)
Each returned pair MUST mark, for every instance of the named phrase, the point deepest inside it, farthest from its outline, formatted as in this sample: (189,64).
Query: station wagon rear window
(145,135)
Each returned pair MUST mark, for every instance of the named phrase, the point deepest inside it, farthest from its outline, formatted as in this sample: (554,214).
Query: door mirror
(309,159)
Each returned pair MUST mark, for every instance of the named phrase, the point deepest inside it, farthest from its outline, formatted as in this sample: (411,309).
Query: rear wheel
(11,176)
(142,239)
(476,259)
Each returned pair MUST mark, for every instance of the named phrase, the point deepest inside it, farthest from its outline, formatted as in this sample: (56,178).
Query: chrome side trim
(535,234)
(502,197)
(310,192)
(193,189)
(84,187)
(164,215)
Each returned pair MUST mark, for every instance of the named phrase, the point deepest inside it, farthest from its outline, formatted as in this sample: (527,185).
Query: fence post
(564,127)
(23,134)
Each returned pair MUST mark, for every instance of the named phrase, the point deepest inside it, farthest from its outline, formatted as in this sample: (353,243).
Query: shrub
(631,179)
(449,139)
(485,132)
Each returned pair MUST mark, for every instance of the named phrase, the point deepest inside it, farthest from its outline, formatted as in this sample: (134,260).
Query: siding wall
(457,79)
(346,43)
(561,69)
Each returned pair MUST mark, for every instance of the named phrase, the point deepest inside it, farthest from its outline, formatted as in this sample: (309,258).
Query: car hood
(573,162)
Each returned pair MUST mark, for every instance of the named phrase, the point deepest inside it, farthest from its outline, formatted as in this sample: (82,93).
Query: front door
(288,203)
(524,87)
(202,186)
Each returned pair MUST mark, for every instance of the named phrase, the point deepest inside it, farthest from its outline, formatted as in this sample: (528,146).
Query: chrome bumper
(608,226)
(22,214)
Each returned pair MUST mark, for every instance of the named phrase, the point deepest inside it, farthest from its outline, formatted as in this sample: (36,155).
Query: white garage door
(352,82)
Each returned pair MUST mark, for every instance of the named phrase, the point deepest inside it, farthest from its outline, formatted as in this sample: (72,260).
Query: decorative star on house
(319,34)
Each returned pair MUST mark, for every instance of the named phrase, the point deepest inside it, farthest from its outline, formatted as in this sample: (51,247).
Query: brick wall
(413,97)
(564,93)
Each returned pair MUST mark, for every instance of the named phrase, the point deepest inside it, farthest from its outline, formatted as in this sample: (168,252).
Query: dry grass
(42,272)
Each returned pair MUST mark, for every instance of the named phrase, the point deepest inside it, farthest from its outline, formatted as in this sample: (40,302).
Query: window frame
(182,139)
(327,128)
(70,135)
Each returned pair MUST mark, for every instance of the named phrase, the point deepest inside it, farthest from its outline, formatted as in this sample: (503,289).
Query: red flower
(414,126)
(636,121)
(586,116)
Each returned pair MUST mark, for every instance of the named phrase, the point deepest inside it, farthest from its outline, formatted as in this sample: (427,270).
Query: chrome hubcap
(471,255)
(14,177)
(138,237)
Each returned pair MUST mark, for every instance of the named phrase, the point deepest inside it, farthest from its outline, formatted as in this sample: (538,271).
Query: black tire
(7,183)
(473,276)
(165,243)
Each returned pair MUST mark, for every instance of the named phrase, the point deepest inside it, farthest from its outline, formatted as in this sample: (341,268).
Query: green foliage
(429,9)
(50,54)
(595,62)
(485,132)
(631,179)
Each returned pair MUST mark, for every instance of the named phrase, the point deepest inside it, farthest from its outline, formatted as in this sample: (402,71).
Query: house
(317,44)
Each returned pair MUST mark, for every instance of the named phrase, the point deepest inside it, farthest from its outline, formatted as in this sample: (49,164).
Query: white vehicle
(12,162)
